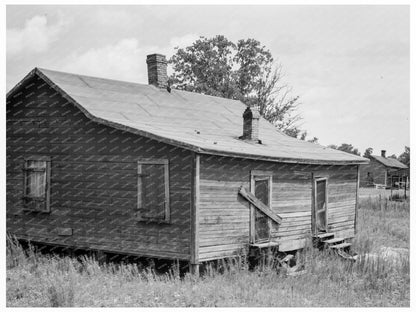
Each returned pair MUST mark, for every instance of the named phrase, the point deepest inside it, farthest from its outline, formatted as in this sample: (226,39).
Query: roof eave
(283,159)
(21,83)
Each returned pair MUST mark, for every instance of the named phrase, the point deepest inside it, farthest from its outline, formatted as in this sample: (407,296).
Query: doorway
(261,187)
(320,205)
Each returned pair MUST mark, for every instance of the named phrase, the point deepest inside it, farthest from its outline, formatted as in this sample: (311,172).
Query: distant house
(384,171)
(143,170)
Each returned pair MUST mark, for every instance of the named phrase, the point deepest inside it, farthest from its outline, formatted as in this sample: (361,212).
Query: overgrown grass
(42,280)
(382,223)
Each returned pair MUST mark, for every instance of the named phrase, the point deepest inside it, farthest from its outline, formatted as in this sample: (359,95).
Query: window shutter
(153,190)
(36,190)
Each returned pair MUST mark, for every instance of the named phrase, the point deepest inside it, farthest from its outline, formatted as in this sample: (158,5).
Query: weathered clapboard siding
(224,215)
(93,179)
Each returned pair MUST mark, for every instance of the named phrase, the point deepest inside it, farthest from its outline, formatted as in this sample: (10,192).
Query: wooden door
(262,186)
(320,205)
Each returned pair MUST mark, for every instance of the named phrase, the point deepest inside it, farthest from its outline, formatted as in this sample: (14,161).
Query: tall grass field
(379,278)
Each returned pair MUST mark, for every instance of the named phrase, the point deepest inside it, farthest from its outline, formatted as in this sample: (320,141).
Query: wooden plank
(220,254)
(265,245)
(153,161)
(333,240)
(259,205)
(313,206)
(306,214)
(356,200)
(48,186)
(262,173)
(195,207)
(225,247)
(223,240)
(339,246)
(325,235)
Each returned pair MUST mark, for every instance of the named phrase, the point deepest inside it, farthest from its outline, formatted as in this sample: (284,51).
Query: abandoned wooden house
(383,171)
(144,170)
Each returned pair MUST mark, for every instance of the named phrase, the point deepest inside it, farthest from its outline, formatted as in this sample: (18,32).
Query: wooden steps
(340,246)
(324,235)
(327,240)
(336,244)
(333,240)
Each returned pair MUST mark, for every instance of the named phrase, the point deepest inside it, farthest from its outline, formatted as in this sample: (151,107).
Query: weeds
(375,280)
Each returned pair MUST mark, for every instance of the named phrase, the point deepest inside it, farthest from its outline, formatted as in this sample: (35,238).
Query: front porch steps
(338,244)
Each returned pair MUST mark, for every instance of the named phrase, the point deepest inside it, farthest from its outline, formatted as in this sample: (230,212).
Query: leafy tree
(313,140)
(405,157)
(243,71)
(368,152)
(302,135)
(348,148)
(393,156)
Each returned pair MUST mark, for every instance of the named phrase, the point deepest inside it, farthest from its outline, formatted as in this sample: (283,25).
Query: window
(36,190)
(153,190)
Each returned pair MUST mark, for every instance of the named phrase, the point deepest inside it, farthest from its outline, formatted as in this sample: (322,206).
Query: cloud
(124,60)
(180,42)
(35,37)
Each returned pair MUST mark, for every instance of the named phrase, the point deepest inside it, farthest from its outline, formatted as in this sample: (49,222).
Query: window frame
(140,204)
(47,170)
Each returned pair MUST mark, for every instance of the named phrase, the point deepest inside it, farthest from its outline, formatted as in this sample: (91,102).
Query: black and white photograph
(207,155)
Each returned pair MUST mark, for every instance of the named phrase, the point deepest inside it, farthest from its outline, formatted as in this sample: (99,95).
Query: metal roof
(389,162)
(202,123)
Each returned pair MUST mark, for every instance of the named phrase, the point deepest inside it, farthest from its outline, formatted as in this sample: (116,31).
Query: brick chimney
(157,70)
(251,117)
(383,153)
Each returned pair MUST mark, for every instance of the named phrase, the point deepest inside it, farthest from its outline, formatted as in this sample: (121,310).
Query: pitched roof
(202,123)
(390,162)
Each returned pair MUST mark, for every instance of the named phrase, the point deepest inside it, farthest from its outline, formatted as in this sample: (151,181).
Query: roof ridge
(131,82)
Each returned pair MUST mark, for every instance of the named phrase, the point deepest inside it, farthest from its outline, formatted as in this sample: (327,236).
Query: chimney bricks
(383,153)
(251,117)
(157,70)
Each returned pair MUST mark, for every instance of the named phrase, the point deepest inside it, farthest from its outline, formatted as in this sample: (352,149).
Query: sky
(350,65)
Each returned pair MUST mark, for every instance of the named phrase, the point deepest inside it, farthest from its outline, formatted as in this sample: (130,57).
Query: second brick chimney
(383,153)
(251,117)
(157,70)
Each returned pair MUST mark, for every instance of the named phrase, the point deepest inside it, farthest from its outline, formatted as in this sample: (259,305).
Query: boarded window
(36,183)
(153,190)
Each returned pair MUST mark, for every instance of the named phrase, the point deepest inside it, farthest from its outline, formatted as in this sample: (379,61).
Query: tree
(348,148)
(313,140)
(368,152)
(405,156)
(243,71)
(393,156)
